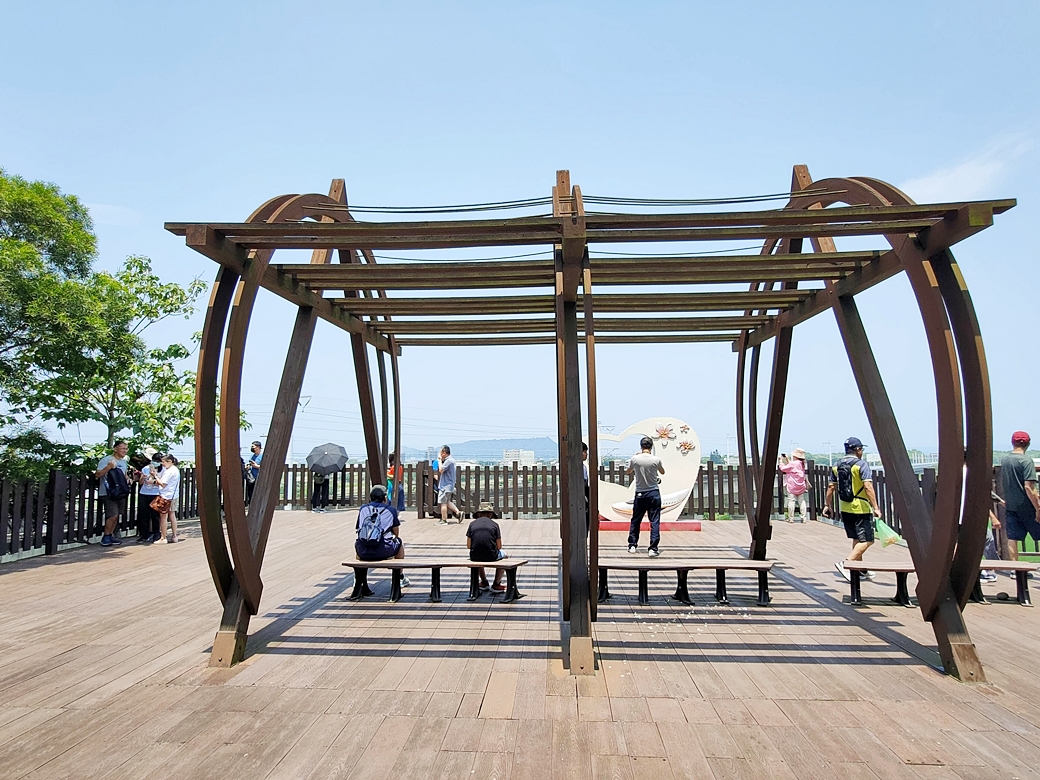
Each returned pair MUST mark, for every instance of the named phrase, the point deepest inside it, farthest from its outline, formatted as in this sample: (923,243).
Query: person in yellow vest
(852,480)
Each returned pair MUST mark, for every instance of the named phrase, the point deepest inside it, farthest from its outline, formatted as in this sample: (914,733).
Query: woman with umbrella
(324,460)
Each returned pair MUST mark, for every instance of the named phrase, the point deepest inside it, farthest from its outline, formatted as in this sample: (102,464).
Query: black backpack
(116,486)
(844,476)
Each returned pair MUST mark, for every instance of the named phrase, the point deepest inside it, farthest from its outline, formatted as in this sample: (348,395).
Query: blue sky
(201,111)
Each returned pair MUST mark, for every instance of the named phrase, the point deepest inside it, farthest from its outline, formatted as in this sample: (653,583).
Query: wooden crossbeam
(518,341)
(607,271)
(378,237)
(543,304)
(548,325)
(539,225)
(820,300)
(209,243)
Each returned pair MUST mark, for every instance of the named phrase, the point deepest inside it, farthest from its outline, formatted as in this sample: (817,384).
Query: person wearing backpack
(852,480)
(378,530)
(113,487)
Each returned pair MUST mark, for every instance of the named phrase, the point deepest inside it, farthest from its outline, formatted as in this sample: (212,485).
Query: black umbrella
(327,459)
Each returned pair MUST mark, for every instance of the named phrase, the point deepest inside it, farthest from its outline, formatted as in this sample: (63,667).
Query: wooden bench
(904,569)
(682,567)
(1021,570)
(398,565)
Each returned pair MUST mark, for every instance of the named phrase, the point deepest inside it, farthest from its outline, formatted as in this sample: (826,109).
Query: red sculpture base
(666,525)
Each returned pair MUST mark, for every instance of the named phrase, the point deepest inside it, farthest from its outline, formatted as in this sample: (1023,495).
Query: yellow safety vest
(858,506)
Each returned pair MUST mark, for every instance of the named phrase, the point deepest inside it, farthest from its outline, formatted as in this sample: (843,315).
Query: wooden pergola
(566,300)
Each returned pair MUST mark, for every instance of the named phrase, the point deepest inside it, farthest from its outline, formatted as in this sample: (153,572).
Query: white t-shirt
(172,478)
(150,488)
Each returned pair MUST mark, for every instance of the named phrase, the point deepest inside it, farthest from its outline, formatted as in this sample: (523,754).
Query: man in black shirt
(484,540)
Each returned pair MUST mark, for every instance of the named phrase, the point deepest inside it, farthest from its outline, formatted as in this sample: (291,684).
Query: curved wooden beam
(210,519)
(933,534)
(937,541)
(244,532)
(978,452)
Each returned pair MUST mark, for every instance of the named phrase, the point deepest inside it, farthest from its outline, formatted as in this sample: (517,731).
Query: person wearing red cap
(1022,502)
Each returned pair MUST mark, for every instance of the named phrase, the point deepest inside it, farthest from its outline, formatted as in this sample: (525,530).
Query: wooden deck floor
(103,671)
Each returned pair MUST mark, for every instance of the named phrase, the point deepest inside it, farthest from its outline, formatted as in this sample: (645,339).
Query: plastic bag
(886,534)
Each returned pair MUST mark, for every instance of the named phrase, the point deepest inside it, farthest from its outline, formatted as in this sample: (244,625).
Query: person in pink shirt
(795,484)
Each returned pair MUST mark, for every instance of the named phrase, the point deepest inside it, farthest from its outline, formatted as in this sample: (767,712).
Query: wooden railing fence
(40,519)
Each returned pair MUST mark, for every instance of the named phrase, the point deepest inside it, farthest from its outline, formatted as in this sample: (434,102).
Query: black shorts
(858,527)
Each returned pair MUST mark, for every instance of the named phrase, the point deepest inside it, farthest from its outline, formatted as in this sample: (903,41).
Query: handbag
(160,504)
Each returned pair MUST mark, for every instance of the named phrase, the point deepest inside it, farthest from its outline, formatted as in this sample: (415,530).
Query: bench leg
(604,591)
(763,589)
(435,584)
(902,592)
(682,592)
(395,585)
(1022,580)
(474,585)
(361,588)
(720,587)
(976,593)
(855,597)
(644,587)
(512,594)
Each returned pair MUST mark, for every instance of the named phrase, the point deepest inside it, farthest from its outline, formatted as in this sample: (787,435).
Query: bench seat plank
(682,567)
(398,565)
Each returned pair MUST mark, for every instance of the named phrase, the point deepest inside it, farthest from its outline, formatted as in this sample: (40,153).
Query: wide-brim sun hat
(486,506)
(798,453)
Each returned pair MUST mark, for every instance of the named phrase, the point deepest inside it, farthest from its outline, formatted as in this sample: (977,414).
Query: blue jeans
(648,502)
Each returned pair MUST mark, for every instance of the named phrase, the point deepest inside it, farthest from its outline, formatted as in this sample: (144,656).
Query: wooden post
(577,594)
(57,490)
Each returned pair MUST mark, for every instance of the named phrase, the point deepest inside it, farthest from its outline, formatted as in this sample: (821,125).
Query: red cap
(1020,437)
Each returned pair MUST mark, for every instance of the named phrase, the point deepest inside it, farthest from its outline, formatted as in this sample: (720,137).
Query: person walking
(1021,500)
(853,481)
(169,485)
(147,517)
(113,474)
(395,483)
(795,484)
(446,486)
(319,492)
(253,468)
(645,467)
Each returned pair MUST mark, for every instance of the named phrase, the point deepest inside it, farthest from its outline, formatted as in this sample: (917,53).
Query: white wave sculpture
(679,449)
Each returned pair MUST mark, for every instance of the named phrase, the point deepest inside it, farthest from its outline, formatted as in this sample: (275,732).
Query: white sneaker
(632,549)
(653,553)
(867,575)
(405,582)
(840,566)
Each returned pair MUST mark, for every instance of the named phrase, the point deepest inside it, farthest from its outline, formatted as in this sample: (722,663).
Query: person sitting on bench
(484,540)
(378,530)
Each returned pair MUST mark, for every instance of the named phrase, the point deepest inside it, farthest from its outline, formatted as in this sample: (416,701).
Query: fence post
(711,490)
(928,486)
(57,485)
(810,479)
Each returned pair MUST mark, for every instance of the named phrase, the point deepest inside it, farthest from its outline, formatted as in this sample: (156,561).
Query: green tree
(47,316)
(115,378)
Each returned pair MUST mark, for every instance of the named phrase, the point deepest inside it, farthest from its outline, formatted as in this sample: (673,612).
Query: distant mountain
(491,449)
